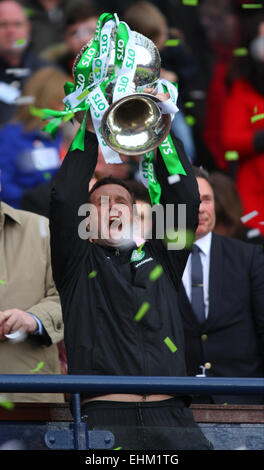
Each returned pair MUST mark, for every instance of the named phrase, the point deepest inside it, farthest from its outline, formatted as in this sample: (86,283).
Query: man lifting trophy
(119,318)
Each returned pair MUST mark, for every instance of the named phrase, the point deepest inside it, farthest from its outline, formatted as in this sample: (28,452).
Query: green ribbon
(172,162)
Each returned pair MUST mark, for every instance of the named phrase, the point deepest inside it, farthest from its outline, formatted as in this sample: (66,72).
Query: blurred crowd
(213,50)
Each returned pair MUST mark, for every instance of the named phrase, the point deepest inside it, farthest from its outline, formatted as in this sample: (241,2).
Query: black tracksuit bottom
(160,425)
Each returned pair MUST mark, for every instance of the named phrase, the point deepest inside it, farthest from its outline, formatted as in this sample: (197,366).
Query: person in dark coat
(104,285)
(223,310)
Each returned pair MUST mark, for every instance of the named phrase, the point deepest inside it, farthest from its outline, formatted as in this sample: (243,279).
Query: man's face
(14,28)
(112,213)
(206,209)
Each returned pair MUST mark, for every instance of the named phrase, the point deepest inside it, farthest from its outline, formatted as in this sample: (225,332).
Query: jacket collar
(10,212)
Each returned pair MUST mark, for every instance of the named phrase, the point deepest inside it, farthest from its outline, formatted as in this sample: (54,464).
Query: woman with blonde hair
(28,156)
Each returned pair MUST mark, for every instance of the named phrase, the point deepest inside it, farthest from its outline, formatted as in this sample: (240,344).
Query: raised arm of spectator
(69,192)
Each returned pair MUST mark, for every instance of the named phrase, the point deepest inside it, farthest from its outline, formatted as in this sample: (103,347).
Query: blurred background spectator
(229,210)
(17,61)
(176,60)
(80,24)
(47,18)
(28,156)
(243,123)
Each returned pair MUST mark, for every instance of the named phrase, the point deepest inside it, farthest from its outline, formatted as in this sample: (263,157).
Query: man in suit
(222,311)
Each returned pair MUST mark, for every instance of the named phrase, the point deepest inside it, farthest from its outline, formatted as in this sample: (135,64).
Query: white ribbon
(124,85)
(99,105)
(169,106)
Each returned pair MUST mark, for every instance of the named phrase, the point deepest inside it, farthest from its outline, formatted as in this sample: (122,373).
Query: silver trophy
(134,124)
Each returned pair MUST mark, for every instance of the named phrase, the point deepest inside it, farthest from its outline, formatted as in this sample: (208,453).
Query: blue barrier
(78,437)
(97,384)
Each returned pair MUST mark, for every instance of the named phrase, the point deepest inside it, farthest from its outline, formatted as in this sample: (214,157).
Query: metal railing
(80,437)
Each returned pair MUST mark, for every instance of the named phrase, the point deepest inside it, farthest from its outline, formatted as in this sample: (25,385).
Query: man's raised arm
(69,191)
(180,200)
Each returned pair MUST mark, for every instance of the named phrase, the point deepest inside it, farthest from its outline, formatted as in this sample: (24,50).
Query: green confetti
(47,175)
(240,51)
(189,104)
(190,2)
(8,405)
(255,109)
(140,247)
(190,120)
(183,238)
(251,5)
(156,273)
(20,42)
(231,155)
(224,403)
(118,448)
(2,282)
(39,366)
(257,117)
(92,274)
(170,344)
(142,311)
(172,42)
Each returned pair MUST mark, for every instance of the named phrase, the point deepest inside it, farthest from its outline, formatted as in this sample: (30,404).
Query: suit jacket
(231,340)
(27,284)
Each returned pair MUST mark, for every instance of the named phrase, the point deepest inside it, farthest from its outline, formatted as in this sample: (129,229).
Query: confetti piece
(39,366)
(156,273)
(255,109)
(190,120)
(189,104)
(172,42)
(262,222)
(170,344)
(182,238)
(118,448)
(190,2)
(240,51)
(92,274)
(231,155)
(142,311)
(257,117)
(47,175)
(174,179)
(249,216)
(2,282)
(20,42)
(255,232)
(140,247)
(251,5)
(8,405)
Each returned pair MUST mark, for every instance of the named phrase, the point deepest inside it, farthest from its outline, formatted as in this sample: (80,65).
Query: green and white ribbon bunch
(88,93)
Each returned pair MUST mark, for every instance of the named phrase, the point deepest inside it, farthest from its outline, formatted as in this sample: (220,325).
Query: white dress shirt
(204,244)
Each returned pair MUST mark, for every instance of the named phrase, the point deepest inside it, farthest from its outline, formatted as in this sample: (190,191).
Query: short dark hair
(111,180)
(200,172)
(80,11)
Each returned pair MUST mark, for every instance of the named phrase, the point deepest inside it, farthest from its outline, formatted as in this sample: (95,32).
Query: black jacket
(232,338)
(101,334)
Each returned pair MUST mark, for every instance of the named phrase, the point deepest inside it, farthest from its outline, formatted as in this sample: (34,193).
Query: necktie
(197,298)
